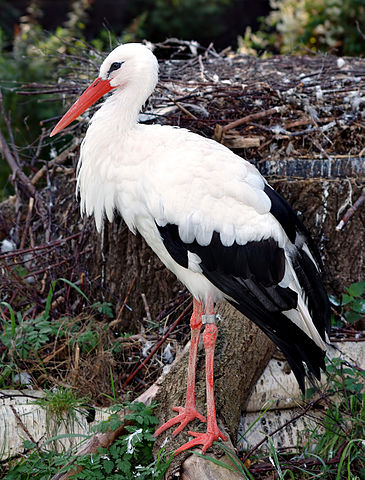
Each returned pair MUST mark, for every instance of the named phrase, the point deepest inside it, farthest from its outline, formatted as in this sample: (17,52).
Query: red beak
(96,90)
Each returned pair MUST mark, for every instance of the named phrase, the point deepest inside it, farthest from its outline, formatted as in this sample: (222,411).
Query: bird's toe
(185,416)
(205,439)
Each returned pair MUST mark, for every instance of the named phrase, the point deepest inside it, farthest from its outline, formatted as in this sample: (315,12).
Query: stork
(210,217)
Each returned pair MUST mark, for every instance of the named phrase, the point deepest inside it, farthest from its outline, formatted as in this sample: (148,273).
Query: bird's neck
(119,113)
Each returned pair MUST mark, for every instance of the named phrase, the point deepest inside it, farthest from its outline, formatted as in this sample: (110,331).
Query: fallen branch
(49,267)
(55,243)
(61,158)
(17,171)
(27,222)
(100,440)
(22,426)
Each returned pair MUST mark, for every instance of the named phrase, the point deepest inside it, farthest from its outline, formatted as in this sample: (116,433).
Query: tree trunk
(125,263)
(321,204)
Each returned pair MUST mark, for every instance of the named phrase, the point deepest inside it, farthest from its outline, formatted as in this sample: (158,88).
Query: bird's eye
(114,66)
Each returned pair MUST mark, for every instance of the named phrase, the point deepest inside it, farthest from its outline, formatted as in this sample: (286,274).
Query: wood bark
(125,263)
(321,204)
(197,468)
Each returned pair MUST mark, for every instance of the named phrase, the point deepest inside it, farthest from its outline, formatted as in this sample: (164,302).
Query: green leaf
(139,419)
(12,317)
(356,289)
(346,299)
(28,445)
(336,321)
(358,305)
(352,317)
(105,308)
(149,437)
(124,466)
(108,466)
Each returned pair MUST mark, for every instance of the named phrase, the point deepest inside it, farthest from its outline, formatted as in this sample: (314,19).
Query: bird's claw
(185,416)
(205,439)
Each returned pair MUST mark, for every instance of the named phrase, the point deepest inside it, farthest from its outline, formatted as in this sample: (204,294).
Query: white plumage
(199,207)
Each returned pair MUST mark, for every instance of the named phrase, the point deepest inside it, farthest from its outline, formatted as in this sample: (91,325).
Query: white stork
(210,217)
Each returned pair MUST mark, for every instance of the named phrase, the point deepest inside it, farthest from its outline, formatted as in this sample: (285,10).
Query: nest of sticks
(265,109)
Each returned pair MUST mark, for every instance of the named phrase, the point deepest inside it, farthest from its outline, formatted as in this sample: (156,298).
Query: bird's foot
(205,439)
(185,416)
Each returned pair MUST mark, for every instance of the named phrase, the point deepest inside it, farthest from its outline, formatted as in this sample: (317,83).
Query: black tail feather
(301,352)
(317,299)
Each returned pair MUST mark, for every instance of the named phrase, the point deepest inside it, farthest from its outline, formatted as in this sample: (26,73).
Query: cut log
(294,433)
(278,385)
(21,418)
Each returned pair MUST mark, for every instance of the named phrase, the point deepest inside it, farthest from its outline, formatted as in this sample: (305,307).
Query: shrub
(316,25)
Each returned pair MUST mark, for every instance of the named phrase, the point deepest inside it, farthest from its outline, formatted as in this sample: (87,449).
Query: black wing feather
(308,274)
(310,280)
(290,222)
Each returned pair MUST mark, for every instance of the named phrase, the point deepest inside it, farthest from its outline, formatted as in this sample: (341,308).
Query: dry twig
(351,211)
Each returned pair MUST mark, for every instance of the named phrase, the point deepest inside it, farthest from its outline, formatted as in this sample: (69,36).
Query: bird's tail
(304,356)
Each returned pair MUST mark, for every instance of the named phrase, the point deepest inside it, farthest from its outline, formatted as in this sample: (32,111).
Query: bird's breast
(109,179)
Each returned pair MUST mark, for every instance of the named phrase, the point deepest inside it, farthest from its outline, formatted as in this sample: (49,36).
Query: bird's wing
(251,277)
(246,240)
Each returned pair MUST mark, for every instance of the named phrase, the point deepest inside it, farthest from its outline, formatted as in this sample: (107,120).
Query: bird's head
(131,67)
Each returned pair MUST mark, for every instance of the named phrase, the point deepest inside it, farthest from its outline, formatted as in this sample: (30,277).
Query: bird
(210,217)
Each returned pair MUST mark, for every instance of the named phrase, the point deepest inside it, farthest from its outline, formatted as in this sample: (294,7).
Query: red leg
(213,433)
(188,413)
